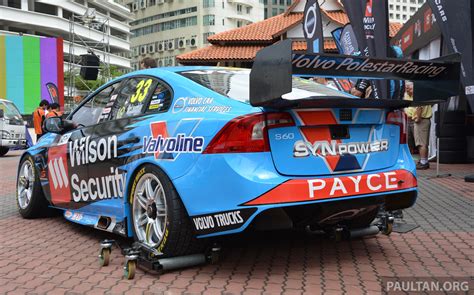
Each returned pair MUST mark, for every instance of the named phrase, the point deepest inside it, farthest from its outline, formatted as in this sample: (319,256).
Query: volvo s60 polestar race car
(171,156)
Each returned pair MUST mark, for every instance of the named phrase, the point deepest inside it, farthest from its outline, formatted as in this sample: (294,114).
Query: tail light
(247,134)
(399,118)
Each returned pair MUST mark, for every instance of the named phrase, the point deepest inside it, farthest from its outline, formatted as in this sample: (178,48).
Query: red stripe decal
(304,190)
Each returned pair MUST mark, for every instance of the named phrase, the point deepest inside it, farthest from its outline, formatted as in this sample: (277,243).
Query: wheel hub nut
(151,211)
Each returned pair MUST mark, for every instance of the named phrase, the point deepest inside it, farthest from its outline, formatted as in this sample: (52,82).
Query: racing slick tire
(452,143)
(452,157)
(3,151)
(159,218)
(450,130)
(30,198)
(451,117)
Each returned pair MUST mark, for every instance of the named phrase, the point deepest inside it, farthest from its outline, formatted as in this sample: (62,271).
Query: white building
(164,29)
(50,18)
(401,10)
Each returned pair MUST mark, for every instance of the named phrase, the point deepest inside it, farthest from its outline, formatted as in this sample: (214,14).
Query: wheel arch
(130,189)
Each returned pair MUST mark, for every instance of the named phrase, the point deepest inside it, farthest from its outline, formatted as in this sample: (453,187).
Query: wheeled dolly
(384,226)
(140,255)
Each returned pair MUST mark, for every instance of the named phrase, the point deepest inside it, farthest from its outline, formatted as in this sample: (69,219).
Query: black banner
(417,32)
(454,20)
(348,41)
(369,20)
(312,27)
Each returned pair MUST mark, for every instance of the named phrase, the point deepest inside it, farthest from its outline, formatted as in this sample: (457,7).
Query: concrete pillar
(60,11)
(24,5)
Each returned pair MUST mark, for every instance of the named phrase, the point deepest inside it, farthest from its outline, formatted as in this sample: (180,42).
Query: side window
(95,108)
(160,100)
(132,97)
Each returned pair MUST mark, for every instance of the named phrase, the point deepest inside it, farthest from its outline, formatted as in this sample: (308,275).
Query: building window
(248,9)
(274,11)
(239,23)
(239,8)
(265,14)
(208,3)
(222,21)
(282,2)
(282,10)
(208,20)
(275,2)
(205,36)
(151,2)
(288,2)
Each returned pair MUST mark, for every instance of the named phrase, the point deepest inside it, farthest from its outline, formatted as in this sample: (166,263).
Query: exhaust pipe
(361,232)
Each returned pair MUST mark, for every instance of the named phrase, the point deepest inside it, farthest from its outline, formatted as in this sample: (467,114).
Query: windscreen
(10,111)
(235,84)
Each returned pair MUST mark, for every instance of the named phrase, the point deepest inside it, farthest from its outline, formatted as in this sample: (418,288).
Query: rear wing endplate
(271,76)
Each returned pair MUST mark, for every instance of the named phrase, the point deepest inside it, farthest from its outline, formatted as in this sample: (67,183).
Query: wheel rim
(149,210)
(26,180)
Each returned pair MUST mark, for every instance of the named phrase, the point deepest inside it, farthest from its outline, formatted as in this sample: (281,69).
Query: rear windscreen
(235,84)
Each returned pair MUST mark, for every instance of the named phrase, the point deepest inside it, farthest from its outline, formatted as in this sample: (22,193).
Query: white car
(12,127)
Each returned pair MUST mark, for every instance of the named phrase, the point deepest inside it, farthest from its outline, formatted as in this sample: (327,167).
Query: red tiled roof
(329,45)
(338,16)
(216,53)
(264,31)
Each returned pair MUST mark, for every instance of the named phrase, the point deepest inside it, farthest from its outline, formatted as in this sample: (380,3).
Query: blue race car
(170,156)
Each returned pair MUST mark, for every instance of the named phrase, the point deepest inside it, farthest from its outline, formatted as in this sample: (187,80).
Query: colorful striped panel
(31,58)
(3,69)
(15,71)
(48,59)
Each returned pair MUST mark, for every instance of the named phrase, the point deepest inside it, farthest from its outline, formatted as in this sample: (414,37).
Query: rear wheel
(3,151)
(158,216)
(30,198)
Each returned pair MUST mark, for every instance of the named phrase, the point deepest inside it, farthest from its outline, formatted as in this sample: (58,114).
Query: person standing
(421,130)
(38,118)
(147,63)
(54,110)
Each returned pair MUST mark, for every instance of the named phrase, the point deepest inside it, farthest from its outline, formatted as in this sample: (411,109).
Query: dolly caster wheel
(338,234)
(388,229)
(104,256)
(129,269)
(214,255)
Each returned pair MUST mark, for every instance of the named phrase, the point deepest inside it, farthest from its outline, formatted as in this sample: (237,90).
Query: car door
(118,135)
(70,154)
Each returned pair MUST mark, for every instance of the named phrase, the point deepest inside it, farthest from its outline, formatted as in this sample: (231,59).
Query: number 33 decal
(142,91)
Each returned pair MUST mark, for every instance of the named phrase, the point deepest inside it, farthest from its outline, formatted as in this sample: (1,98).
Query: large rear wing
(271,76)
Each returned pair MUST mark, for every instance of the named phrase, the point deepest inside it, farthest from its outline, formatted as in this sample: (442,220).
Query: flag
(454,19)
(312,27)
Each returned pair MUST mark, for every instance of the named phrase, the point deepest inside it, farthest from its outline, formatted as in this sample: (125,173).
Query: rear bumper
(229,186)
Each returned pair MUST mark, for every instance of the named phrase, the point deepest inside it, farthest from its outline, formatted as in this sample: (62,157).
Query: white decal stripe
(53,174)
(63,172)
(58,173)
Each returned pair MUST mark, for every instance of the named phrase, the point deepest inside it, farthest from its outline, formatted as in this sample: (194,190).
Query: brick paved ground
(55,256)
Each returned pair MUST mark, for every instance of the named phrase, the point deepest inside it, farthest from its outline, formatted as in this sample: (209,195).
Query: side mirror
(2,114)
(54,125)
(58,125)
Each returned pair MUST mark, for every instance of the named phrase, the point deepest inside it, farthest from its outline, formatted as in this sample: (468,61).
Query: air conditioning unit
(134,6)
(170,45)
(161,47)
(143,4)
(181,43)
(151,48)
(143,49)
(193,42)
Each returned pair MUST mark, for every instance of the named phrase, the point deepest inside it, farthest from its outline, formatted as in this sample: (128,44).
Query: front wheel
(158,216)
(3,151)
(30,198)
